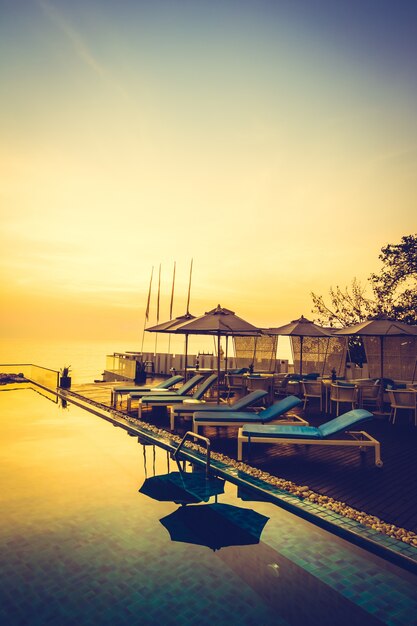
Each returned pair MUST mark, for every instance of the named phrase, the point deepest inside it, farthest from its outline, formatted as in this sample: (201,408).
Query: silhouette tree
(395,287)
(393,294)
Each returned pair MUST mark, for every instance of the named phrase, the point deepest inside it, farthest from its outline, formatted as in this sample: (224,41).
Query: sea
(87,358)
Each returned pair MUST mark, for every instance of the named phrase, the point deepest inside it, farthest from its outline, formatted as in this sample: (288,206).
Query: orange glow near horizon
(246,141)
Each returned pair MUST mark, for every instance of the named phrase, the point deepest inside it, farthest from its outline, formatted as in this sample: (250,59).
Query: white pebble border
(303,491)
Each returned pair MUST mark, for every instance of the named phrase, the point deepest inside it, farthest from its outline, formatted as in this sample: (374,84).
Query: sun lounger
(238,418)
(308,435)
(190,408)
(165,384)
(184,389)
(168,399)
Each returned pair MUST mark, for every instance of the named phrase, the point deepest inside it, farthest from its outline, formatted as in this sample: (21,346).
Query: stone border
(301,491)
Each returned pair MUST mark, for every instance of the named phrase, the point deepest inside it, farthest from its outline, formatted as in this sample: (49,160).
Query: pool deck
(340,473)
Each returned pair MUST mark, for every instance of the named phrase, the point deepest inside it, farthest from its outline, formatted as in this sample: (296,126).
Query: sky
(272,142)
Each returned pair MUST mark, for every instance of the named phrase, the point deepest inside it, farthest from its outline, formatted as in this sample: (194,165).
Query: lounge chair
(184,389)
(168,399)
(309,435)
(238,418)
(237,405)
(165,384)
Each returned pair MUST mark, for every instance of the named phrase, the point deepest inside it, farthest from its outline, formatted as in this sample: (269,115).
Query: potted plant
(65,379)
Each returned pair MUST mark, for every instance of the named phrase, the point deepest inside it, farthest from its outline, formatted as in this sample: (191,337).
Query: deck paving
(389,493)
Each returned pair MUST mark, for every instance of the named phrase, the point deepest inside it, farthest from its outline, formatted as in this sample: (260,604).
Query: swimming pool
(81,545)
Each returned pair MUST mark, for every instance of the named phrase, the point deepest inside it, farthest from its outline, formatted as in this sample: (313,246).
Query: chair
(165,384)
(185,388)
(236,405)
(309,435)
(312,389)
(345,393)
(369,395)
(235,382)
(265,382)
(286,385)
(402,399)
(168,399)
(237,418)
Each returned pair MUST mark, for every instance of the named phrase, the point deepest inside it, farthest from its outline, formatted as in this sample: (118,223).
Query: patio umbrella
(381,327)
(218,322)
(215,525)
(169,327)
(300,328)
(182,487)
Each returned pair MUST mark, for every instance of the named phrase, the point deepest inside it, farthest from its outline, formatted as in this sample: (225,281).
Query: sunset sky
(274,142)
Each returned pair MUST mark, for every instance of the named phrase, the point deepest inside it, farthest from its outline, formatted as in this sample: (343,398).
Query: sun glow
(243,139)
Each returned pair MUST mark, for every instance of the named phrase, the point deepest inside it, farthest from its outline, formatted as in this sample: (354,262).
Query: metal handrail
(187,435)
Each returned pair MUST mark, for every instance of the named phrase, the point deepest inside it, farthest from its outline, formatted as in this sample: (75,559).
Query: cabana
(390,347)
(315,349)
(258,352)
(320,354)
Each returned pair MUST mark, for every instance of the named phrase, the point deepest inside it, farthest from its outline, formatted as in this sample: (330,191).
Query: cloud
(78,45)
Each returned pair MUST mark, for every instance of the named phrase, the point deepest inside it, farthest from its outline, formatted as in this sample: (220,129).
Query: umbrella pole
(381,339)
(186,356)
(226,356)
(144,461)
(218,367)
(255,343)
(325,357)
(381,370)
(301,355)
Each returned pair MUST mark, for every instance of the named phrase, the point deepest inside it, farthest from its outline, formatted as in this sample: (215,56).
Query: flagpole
(187,312)
(171,306)
(189,287)
(147,310)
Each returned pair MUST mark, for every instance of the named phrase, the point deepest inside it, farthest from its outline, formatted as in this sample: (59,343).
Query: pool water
(80,544)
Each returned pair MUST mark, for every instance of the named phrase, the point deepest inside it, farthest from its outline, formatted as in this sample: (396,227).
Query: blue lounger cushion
(344,422)
(185,388)
(275,430)
(165,399)
(336,425)
(238,405)
(171,399)
(272,412)
(169,382)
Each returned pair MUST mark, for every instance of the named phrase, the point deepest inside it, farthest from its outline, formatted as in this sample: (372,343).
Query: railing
(124,366)
(188,435)
(42,376)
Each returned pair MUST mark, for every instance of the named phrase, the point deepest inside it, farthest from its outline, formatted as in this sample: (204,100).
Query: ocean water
(88,358)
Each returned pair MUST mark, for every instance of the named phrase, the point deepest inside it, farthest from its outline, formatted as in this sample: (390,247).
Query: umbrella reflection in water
(182,488)
(215,525)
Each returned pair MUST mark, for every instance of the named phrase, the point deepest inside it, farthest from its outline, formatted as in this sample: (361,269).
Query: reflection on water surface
(80,544)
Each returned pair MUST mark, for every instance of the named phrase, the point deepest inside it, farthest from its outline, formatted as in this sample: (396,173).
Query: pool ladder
(187,436)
